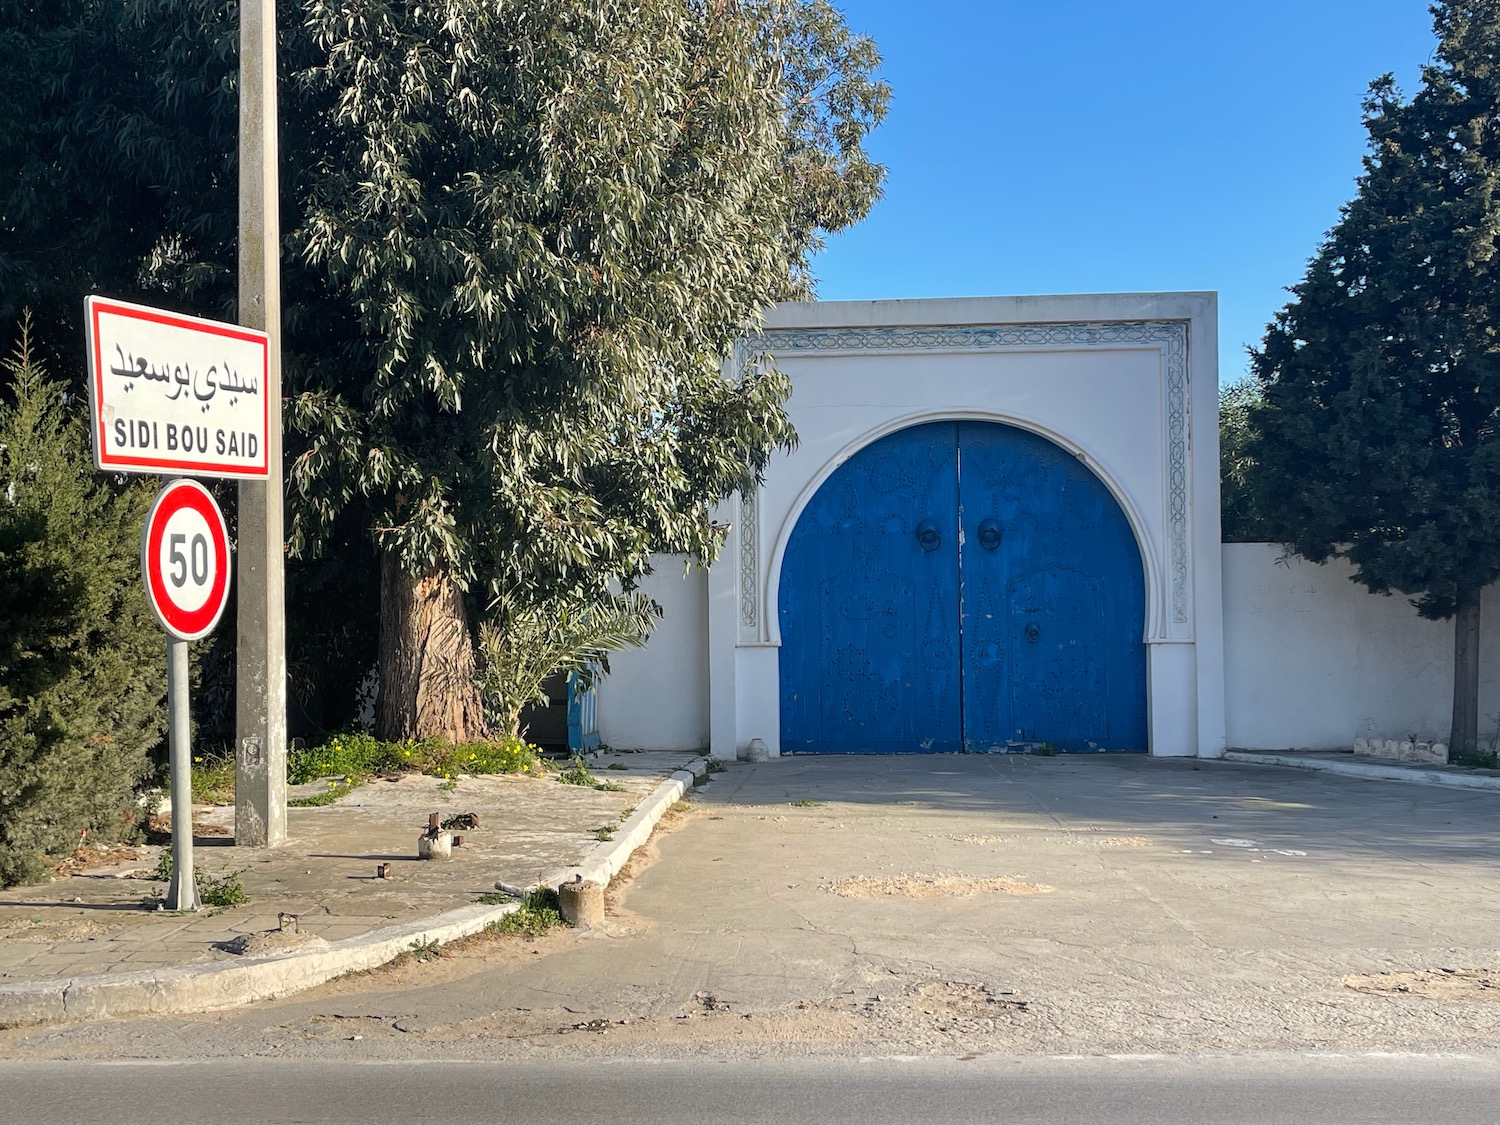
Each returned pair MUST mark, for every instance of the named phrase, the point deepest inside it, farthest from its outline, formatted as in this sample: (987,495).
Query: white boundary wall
(657,698)
(1313,660)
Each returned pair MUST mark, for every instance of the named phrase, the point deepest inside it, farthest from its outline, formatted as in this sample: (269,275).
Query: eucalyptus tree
(521,239)
(542,225)
(1377,438)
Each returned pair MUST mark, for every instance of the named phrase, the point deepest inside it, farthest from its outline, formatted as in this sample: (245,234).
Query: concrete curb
(201,988)
(1367,770)
(604,861)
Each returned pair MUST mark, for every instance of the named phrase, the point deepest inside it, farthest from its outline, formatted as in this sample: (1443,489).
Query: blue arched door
(962,585)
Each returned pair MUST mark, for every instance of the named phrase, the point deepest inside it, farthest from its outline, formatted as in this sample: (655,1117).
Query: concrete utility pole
(260,661)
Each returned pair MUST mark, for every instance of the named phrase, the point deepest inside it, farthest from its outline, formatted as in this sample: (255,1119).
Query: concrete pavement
(89,945)
(962,905)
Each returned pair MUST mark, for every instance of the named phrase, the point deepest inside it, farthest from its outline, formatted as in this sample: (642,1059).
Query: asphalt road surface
(1226,1090)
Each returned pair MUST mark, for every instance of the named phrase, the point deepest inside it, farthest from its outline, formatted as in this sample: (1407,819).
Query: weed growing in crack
(538,913)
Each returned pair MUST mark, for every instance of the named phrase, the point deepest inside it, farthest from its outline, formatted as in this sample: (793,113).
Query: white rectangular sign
(175,394)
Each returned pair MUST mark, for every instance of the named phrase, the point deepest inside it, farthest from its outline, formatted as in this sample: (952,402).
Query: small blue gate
(962,586)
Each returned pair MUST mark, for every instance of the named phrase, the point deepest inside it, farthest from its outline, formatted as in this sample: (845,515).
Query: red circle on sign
(185,623)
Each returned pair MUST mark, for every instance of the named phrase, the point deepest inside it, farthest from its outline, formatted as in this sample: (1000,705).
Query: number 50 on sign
(185,560)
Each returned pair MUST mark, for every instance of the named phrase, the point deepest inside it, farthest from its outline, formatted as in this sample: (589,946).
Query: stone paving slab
(95,922)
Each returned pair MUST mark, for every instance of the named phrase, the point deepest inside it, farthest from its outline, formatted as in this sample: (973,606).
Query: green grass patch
(363,755)
(617,766)
(538,914)
(337,787)
(213,779)
(805,804)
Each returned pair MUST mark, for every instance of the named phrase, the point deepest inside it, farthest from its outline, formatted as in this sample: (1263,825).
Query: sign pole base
(183,893)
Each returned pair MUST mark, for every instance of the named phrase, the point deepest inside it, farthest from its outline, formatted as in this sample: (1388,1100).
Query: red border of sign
(185,626)
(93,306)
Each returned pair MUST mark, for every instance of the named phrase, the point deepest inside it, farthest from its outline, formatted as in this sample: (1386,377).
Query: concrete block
(435,847)
(581,902)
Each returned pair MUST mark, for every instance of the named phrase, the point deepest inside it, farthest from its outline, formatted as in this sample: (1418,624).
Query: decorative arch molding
(1167,614)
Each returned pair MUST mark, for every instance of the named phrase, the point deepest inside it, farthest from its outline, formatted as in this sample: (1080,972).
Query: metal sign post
(182,894)
(185,566)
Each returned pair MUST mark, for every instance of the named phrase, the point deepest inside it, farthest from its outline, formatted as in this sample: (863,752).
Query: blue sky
(1070,146)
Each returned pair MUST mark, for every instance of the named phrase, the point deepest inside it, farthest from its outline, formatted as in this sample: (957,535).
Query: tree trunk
(1465,733)
(427,687)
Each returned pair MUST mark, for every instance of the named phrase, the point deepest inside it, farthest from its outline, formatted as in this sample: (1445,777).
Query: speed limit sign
(185,560)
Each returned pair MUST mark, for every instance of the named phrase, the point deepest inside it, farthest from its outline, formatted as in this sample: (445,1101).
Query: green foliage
(213,780)
(577,773)
(1377,438)
(1242,521)
(82,662)
(523,643)
(520,241)
(336,789)
(362,755)
(424,949)
(227,890)
(548,223)
(224,891)
(538,913)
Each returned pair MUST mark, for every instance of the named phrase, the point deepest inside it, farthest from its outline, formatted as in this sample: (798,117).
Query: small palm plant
(522,644)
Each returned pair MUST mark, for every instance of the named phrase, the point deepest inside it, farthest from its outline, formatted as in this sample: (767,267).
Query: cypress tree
(82,661)
(1376,440)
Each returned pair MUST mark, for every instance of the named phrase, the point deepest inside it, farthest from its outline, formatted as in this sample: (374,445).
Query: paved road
(1038,1091)
(1094,906)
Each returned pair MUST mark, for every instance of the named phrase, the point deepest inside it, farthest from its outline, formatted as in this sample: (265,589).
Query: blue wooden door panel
(962,586)
(869,603)
(1053,599)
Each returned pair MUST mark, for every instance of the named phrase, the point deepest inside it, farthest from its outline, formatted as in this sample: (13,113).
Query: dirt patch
(89,858)
(1123,842)
(983,838)
(934,886)
(961,1000)
(1434,984)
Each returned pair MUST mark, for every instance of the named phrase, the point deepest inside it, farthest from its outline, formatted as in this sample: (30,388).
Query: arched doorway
(962,586)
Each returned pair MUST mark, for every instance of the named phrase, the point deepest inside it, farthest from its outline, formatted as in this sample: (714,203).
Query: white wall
(1313,660)
(656,698)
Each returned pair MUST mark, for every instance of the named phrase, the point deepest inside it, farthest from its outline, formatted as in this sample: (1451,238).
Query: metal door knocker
(928,535)
(1033,631)
(989,534)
